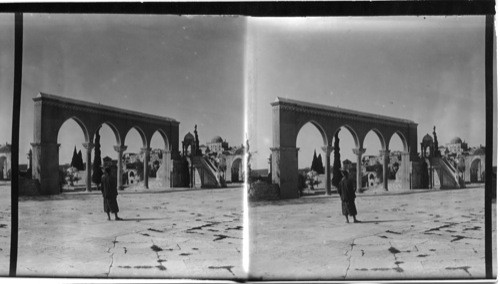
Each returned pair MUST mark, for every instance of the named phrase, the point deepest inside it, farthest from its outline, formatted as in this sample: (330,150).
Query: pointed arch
(79,122)
(402,137)
(351,130)
(142,135)
(317,126)
(113,128)
(379,135)
(163,135)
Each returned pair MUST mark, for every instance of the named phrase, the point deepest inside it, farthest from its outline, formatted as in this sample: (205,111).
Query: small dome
(189,137)
(240,151)
(479,151)
(5,148)
(427,138)
(217,139)
(456,140)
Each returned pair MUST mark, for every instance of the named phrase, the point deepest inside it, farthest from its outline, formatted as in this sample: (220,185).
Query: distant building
(456,146)
(217,145)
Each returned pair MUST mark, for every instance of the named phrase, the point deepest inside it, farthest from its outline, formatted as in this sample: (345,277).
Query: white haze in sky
(198,69)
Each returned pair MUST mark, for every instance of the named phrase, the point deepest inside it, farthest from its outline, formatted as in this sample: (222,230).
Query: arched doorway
(72,165)
(347,141)
(311,158)
(3,167)
(236,171)
(476,171)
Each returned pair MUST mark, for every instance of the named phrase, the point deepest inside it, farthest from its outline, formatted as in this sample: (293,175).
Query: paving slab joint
(112,256)
(349,258)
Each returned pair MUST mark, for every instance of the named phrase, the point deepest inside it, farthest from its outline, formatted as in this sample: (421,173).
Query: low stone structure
(263,191)
(5,158)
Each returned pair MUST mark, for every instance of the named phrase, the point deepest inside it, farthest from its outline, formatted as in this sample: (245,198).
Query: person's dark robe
(347,195)
(109,192)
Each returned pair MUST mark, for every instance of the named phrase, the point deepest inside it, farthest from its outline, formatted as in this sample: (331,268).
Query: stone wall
(28,187)
(263,191)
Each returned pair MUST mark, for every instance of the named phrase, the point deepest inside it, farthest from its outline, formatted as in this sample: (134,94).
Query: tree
(139,167)
(314,164)
(96,166)
(436,144)
(320,169)
(80,161)
(312,179)
(337,176)
(74,159)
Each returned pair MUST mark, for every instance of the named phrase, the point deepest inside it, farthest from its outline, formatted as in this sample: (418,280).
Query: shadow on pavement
(141,219)
(379,221)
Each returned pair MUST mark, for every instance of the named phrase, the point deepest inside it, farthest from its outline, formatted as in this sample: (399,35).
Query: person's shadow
(379,221)
(141,219)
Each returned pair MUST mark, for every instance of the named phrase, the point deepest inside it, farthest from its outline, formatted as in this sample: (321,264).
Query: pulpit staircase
(448,176)
(209,174)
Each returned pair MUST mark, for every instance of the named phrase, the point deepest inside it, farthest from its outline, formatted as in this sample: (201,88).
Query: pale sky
(193,69)
(426,69)
(186,68)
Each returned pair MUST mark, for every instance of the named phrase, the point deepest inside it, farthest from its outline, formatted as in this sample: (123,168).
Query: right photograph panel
(367,142)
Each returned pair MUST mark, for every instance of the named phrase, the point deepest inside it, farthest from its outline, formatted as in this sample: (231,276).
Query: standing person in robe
(347,195)
(109,193)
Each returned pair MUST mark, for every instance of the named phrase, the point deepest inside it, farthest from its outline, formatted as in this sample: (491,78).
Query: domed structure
(456,140)
(427,138)
(217,139)
(240,151)
(188,138)
(479,151)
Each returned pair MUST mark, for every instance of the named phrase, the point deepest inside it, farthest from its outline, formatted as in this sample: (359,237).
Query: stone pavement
(418,235)
(5,209)
(166,234)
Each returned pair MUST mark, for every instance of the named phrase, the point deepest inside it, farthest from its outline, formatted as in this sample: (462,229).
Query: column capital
(88,145)
(327,149)
(385,152)
(146,149)
(120,148)
(39,144)
(284,149)
(359,151)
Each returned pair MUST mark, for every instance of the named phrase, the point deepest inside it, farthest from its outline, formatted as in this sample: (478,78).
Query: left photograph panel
(131,136)
(6,104)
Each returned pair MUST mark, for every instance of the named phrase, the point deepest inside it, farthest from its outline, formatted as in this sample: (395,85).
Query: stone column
(285,171)
(46,166)
(89,146)
(404,170)
(328,174)
(119,172)
(385,156)
(30,163)
(167,169)
(359,175)
(146,151)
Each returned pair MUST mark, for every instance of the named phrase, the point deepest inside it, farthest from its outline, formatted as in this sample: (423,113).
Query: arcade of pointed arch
(52,111)
(289,116)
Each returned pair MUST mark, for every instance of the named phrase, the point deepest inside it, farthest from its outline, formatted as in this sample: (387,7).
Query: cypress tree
(319,165)
(96,166)
(74,158)
(337,176)
(314,162)
(436,145)
(80,161)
